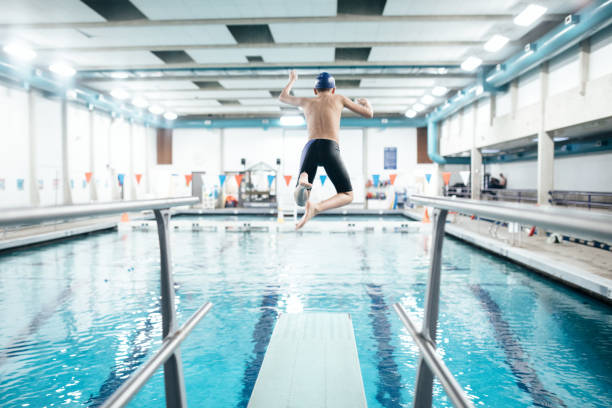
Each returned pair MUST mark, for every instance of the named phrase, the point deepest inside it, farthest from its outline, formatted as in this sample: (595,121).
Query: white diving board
(311,362)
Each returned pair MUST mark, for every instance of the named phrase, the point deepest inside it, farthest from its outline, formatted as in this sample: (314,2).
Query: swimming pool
(81,315)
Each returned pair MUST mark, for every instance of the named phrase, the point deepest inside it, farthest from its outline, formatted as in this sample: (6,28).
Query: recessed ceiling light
(156,109)
(427,99)
(62,69)
(170,115)
(410,113)
(120,94)
(496,43)
(119,75)
(71,94)
(291,120)
(471,63)
(140,102)
(19,51)
(528,16)
(439,91)
(419,107)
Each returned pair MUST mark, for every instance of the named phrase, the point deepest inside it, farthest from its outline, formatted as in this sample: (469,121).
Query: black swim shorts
(326,153)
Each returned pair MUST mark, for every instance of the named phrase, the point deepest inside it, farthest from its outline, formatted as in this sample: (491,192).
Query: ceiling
(205,58)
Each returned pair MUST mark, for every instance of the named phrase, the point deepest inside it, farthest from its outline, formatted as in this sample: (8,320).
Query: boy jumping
(323,122)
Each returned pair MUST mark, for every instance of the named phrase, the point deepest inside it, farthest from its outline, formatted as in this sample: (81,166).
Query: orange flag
(188,179)
(392,178)
(88,176)
(287,179)
(426,217)
(238,179)
(138,178)
(446,177)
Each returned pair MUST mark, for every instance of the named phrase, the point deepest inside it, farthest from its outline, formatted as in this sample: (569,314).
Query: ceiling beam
(280,66)
(497,18)
(279,77)
(181,47)
(194,100)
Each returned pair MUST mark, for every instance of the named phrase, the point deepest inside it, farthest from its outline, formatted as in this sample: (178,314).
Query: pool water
(81,315)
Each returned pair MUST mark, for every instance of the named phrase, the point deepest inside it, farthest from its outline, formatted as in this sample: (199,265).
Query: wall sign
(390,158)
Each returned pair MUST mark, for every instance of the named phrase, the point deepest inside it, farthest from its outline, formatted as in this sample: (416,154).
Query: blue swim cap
(325,81)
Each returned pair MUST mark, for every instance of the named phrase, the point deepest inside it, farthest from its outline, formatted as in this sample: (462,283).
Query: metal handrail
(577,222)
(21,216)
(448,381)
(130,388)
(169,354)
(573,221)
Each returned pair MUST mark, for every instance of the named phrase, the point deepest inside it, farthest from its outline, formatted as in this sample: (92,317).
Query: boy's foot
(302,190)
(309,212)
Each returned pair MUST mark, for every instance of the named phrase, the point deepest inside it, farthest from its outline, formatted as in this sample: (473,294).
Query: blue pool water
(81,315)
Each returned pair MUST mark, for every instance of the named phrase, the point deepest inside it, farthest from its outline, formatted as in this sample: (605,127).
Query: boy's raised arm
(362,107)
(285,96)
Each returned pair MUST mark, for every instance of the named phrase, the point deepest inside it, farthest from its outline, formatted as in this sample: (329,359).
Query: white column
(130,180)
(67,192)
(33,182)
(514,97)
(149,134)
(585,55)
(221,150)
(476,172)
(93,186)
(546,145)
(364,159)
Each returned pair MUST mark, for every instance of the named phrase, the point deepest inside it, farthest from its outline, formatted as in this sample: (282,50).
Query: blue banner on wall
(390,158)
(270,179)
(323,177)
(20,183)
(375,179)
(221,179)
(121,178)
(427,177)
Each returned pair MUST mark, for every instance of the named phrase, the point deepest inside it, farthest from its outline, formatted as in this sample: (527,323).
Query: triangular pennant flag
(121,178)
(375,179)
(88,175)
(188,179)
(238,178)
(323,177)
(446,177)
(392,178)
(428,177)
(465,176)
(221,179)
(287,179)
(270,179)
(138,177)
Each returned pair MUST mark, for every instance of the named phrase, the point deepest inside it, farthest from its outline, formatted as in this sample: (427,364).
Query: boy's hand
(293,76)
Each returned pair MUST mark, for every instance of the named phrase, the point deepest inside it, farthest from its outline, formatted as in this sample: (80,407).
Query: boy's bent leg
(302,190)
(336,201)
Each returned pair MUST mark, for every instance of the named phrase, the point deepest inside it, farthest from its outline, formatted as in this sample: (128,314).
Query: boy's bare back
(323,112)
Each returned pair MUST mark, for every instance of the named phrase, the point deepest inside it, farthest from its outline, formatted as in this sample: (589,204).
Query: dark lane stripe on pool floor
(261,337)
(526,377)
(390,383)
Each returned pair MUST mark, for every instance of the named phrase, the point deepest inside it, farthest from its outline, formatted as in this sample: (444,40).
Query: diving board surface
(311,362)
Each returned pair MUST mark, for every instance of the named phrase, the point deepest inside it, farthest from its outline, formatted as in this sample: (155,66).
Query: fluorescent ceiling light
(19,51)
(410,113)
(119,75)
(120,94)
(528,16)
(418,107)
(71,94)
(439,91)
(496,43)
(427,99)
(170,115)
(291,120)
(156,109)
(471,63)
(442,71)
(140,102)
(560,139)
(489,151)
(62,69)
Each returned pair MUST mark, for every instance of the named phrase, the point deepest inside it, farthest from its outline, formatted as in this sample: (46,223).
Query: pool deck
(36,234)
(580,266)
